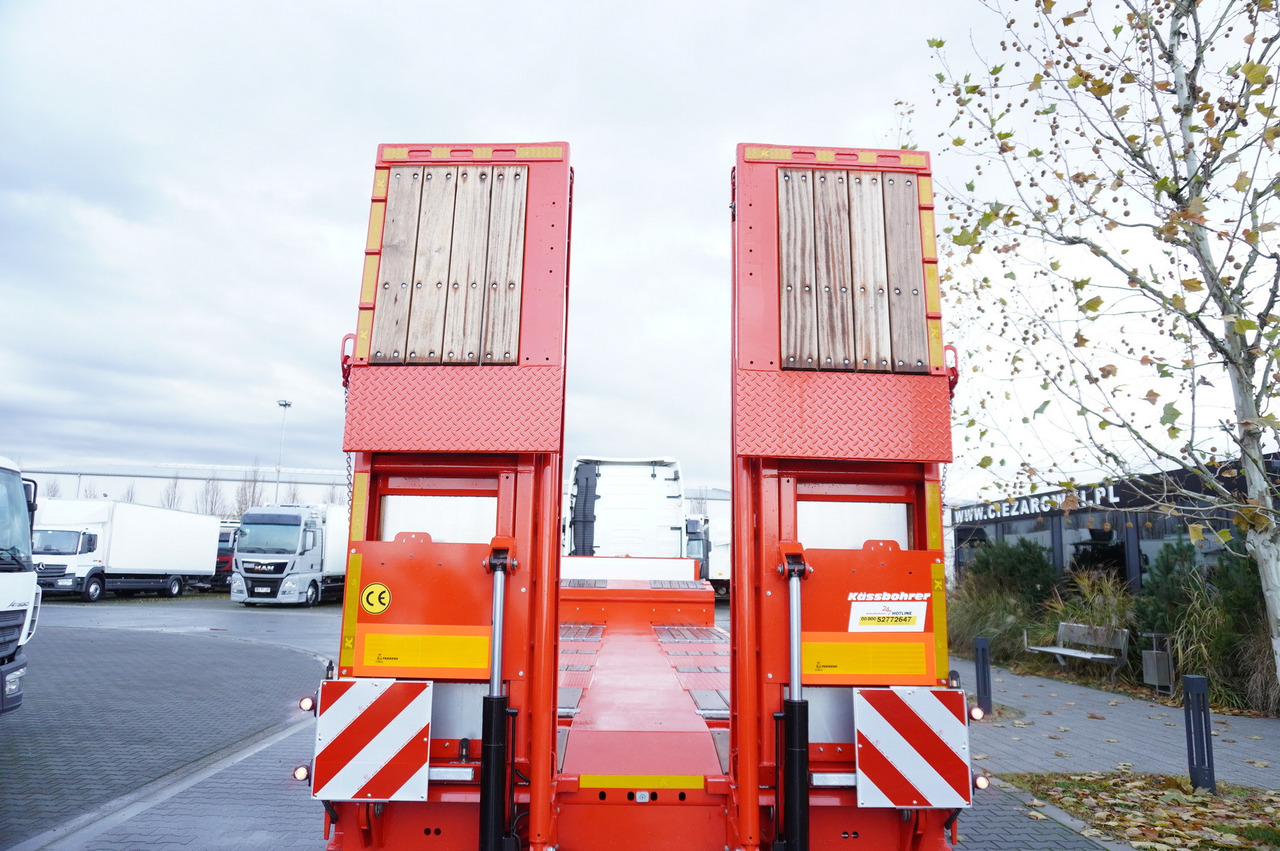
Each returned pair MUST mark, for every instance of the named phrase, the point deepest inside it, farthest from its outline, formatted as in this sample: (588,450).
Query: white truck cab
(19,593)
(289,554)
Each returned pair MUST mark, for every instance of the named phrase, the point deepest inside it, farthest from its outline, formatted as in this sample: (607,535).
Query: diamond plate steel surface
(454,409)
(856,416)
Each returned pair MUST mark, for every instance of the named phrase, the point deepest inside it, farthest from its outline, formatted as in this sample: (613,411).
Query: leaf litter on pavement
(1156,812)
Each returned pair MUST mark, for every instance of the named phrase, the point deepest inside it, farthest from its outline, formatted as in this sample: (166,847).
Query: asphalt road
(173,724)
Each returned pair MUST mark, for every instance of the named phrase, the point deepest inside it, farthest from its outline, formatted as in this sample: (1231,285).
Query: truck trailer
(482,698)
(289,555)
(92,546)
(627,506)
(19,592)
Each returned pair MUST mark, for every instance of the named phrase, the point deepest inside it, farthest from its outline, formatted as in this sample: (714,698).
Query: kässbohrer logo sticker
(375,598)
(887,612)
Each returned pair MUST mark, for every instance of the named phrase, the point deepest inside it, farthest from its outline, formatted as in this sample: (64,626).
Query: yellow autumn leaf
(1253,72)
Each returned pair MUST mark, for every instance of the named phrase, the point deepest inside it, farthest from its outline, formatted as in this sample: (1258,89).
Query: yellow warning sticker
(375,598)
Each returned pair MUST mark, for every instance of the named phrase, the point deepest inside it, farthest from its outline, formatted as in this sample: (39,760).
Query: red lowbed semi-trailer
(480,702)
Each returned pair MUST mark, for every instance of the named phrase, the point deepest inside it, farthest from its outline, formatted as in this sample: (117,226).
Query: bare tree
(249,491)
(1121,231)
(294,496)
(90,490)
(210,500)
(53,488)
(130,493)
(172,496)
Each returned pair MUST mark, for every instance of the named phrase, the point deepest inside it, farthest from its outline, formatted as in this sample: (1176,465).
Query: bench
(1106,644)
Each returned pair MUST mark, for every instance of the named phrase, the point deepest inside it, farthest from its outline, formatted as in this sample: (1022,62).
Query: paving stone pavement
(1058,726)
(107,711)
(206,701)
(254,804)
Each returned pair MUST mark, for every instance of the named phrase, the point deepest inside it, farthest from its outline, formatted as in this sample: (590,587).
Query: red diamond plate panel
(854,416)
(454,409)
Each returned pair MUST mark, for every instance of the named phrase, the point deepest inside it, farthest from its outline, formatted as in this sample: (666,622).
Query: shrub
(1022,569)
(1217,620)
(1261,689)
(1166,588)
(1097,598)
(999,616)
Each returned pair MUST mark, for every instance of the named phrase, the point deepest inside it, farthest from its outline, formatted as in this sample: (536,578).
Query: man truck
(289,554)
(92,546)
(19,593)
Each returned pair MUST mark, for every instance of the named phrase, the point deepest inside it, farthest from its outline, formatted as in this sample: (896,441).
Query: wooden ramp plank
(870,275)
(796,269)
(464,309)
(501,340)
(907,320)
(834,270)
(399,240)
(431,265)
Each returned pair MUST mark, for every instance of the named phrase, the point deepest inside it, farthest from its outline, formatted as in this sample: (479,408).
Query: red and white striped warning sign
(913,748)
(373,737)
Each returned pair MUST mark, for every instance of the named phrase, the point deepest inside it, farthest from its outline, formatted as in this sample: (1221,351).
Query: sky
(184,191)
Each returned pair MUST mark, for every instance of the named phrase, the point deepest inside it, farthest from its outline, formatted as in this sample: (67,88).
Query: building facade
(1109,527)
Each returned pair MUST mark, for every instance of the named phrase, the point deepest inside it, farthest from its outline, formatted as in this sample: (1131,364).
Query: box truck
(92,546)
(290,554)
(19,593)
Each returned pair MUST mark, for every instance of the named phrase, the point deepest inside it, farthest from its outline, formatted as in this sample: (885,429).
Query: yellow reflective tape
(926,191)
(369,281)
(826,156)
(933,511)
(641,781)
(377,213)
(868,157)
(914,159)
(364,337)
(936,358)
(928,239)
(932,290)
(347,654)
(426,651)
(395,153)
(862,658)
(359,501)
(940,617)
(543,152)
(440,153)
(482,153)
(767,153)
(380,178)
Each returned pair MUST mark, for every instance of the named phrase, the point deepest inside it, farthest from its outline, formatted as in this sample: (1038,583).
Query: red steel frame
(466,430)
(823,436)
(497,431)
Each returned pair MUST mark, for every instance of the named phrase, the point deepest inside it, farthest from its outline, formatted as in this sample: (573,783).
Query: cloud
(184,192)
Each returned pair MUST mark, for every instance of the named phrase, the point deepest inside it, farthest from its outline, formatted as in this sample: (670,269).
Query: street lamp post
(285,405)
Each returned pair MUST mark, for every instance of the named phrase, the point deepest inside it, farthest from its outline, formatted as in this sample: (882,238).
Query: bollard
(982,673)
(1195,692)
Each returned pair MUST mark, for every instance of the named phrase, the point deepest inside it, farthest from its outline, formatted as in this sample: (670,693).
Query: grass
(1160,812)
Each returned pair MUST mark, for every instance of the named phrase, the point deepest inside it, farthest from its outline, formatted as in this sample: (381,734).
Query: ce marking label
(375,598)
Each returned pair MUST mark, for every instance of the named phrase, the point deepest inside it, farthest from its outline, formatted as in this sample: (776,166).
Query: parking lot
(154,723)
(173,724)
